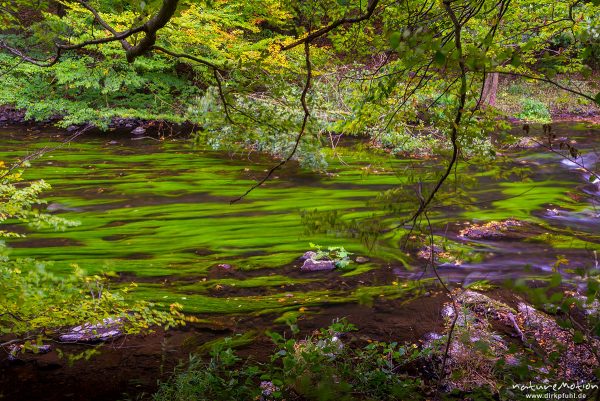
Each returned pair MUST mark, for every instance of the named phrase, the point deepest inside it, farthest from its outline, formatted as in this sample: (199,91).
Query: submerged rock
(107,330)
(312,265)
(139,131)
(59,207)
(554,212)
(491,230)
(361,259)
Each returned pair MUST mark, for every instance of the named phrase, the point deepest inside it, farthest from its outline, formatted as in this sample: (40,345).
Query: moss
(264,304)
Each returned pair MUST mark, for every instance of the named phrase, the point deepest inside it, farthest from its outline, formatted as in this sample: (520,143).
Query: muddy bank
(13,118)
(131,366)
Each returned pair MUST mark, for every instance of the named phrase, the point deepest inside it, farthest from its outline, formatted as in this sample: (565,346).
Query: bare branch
(455,124)
(189,57)
(158,21)
(548,80)
(320,32)
(105,25)
(302,128)
(40,152)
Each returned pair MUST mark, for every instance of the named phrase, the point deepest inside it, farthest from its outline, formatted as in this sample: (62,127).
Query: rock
(527,142)
(485,305)
(308,255)
(491,230)
(590,308)
(576,362)
(447,311)
(13,352)
(58,207)
(430,338)
(311,265)
(16,349)
(479,341)
(361,259)
(474,346)
(107,330)
(139,131)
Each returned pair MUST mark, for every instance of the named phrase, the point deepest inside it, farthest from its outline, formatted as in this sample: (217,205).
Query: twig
(302,128)
(46,149)
(320,32)
(548,80)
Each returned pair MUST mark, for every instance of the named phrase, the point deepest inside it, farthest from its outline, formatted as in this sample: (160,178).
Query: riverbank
(518,100)
(498,341)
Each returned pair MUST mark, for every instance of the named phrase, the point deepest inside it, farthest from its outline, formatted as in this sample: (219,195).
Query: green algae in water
(161,211)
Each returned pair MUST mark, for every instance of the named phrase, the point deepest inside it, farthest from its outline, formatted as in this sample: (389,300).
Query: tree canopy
(279,76)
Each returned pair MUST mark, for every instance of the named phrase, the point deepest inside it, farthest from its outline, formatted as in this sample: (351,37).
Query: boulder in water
(491,230)
(361,259)
(139,131)
(308,255)
(311,265)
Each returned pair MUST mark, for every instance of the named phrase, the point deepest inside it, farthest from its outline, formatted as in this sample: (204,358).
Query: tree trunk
(490,89)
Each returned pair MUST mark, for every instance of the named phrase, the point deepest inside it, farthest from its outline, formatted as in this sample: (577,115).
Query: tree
(248,63)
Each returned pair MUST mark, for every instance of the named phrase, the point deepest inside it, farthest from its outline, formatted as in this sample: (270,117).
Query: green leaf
(439,58)
(597,99)
(515,60)
(395,39)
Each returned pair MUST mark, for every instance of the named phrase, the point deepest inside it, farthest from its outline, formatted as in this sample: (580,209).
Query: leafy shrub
(37,304)
(320,367)
(221,378)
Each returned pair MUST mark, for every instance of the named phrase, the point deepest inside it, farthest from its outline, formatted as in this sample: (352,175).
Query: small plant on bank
(336,253)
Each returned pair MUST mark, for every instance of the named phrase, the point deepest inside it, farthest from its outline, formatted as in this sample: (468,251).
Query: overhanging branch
(322,31)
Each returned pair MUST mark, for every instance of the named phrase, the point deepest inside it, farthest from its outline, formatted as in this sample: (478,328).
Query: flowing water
(158,213)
